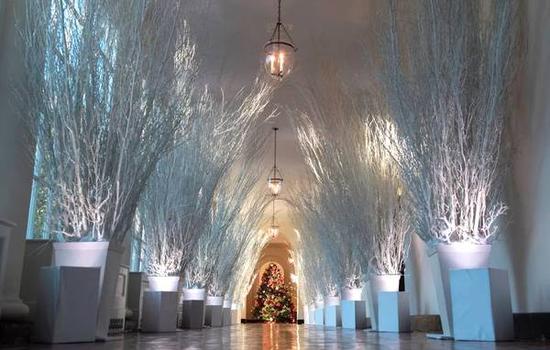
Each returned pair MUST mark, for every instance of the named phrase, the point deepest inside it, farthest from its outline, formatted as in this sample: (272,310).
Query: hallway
(286,337)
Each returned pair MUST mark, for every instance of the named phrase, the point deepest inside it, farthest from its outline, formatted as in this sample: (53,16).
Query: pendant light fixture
(273,229)
(275,179)
(279,50)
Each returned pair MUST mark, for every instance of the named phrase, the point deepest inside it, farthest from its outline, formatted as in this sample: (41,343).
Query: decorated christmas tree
(274,298)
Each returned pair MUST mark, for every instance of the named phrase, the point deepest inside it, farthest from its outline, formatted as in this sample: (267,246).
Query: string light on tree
(274,297)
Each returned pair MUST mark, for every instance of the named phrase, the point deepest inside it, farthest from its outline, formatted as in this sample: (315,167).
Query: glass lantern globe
(279,58)
(275,185)
(274,231)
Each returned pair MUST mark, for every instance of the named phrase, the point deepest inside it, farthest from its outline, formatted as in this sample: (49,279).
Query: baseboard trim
(527,326)
(532,326)
(245,320)
(426,324)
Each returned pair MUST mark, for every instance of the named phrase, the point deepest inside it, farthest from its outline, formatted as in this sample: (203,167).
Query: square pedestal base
(67,301)
(159,312)
(226,316)
(137,284)
(235,316)
(192,314)
(306,315)
(393,312)
(311,315)
(319,317)
(333,316)
(481,305)
(213,315)
(354,315)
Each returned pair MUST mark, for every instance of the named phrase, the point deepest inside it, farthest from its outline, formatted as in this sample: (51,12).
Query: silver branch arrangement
(389,211)
(229,127)
(107,93)
(359,208)
(332,139)
(172,209)
(237,215)
(445,77)
(316,256)
(316,279)
(243,275)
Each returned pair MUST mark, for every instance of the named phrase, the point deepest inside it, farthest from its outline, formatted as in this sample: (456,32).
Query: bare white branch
(230,131)
(445,79)
(107,93)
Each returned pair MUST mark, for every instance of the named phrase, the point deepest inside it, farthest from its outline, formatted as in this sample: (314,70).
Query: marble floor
(285,337)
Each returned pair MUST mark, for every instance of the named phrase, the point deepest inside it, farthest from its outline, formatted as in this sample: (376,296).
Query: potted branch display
(218,142)
(243,278)
(166,244)
(449,116)
(332,309)
(338,204)
(194,292)
(390,231)
(235,217)
(103,106)
(353,294)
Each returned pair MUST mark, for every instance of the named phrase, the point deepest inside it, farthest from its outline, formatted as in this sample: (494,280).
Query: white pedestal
(393,312)
(333,316)
(118,312)
(11,258)
(38,254)
(441,283)
(319,316)
(448,257)
(193,314)
(137,284)
(213,315)
(235,316)
(226,317)
(306,315)
(375,285)
(354,315)
(481,303)
(159,311)
(106,256)
(67,300)
(311,314)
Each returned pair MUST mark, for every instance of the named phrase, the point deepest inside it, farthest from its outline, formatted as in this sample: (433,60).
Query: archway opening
(274,297)
(279,254)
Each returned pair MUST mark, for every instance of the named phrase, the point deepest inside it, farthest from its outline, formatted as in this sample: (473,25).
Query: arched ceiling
(231,35)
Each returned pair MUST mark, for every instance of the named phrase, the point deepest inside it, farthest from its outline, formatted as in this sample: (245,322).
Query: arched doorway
(274,296)
(278,254)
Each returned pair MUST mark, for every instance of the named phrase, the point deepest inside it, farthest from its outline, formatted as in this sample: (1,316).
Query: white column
(15,162)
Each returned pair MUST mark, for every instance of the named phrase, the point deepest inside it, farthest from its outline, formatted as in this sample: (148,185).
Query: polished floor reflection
(273,336)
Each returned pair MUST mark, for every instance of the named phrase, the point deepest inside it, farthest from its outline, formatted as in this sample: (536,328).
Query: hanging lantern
(275,179)
(279,50)
(273,229)
(275,183)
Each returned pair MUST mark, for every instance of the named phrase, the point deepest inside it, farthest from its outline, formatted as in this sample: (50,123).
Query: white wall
(525,248)
(418,280)
(524,245)
(15,162)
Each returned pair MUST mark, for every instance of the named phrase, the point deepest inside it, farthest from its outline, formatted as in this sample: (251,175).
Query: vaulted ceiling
(231,35)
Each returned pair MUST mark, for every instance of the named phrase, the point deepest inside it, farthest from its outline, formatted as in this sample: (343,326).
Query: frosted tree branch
(445,77)
(231,132)
(107,93)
